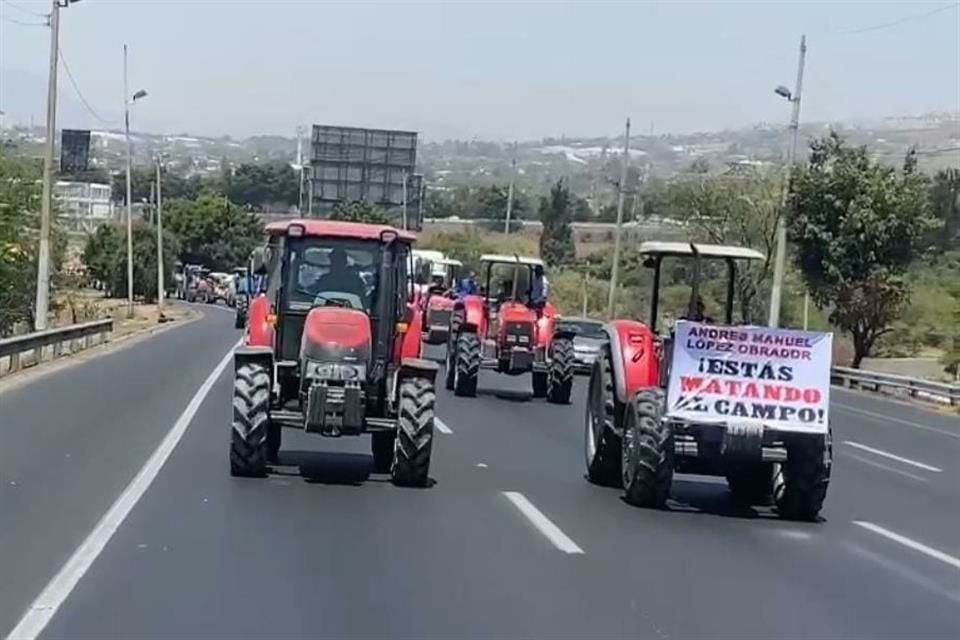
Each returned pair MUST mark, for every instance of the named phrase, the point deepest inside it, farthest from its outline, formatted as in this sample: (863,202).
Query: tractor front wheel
(647,459)
(414,437)
(467,366)
(249,448)
(560,380)
(540,384)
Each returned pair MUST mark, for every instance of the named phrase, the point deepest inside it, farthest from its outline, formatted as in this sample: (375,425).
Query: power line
(894,23)
(22,9)
(25,24)
(76,88)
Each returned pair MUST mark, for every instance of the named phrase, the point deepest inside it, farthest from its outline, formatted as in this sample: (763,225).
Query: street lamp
(793,97)
(127,101)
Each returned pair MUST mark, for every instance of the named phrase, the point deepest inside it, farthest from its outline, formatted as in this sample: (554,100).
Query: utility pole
(420,198)
(513,178)
(43,252)
(160,283)
(300,165)
(404,200)
(611,301)
(126,125)
(776,291)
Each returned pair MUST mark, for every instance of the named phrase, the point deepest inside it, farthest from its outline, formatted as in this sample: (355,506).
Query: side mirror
(258,262)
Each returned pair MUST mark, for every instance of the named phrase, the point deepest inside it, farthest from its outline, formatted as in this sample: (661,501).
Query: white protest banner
(776,377)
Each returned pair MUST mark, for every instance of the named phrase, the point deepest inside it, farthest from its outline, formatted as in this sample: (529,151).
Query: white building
(84,204)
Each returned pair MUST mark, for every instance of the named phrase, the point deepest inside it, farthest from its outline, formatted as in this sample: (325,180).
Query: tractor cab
(509,332)
(439,299)
(699,263)
(337,336)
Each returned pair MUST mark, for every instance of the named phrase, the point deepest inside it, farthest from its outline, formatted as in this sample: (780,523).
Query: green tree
(261,185)
(213,231)
(556,238)
(857,226)
(19,221)
(945,203)
(738,210)
(360,211)
(99,254)
(105,256)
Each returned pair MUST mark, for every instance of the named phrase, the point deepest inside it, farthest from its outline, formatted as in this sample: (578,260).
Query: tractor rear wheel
(800,484)
(601,443)
(414,438)
(560,380)
(383,443)
(251,421)
(467,366)
(647,450)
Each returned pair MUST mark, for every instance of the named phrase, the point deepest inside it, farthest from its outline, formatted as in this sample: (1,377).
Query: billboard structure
(351,163)
(74,150)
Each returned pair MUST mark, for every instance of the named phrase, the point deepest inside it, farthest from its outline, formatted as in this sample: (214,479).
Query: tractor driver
(341,277)
(538,290)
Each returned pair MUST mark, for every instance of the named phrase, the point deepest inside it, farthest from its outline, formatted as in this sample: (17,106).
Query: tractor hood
(332,334)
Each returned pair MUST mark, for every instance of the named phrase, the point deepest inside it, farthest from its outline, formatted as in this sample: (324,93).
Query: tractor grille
(439,318)
(518,334)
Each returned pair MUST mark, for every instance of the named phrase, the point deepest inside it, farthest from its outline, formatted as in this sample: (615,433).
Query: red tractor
(634,441)
(333,348)
(439,302)
(504,332)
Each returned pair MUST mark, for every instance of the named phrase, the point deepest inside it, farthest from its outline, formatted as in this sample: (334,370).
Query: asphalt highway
(117,541)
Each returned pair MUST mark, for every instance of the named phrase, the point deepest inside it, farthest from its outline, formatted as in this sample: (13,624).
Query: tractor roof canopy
(682,249)
(451,262)
(337,229)
(492,257)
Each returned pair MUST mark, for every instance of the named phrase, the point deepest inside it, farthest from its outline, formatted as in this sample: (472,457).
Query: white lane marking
(880,465)
(882,418)
(481,465)
(910,543)
(442,426)
(56,592)
(551,531)
(885,454)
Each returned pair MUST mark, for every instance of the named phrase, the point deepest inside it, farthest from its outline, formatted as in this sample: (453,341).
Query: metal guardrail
(916,387)
(76,337)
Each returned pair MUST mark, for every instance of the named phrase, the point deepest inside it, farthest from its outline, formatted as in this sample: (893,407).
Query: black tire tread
(560,378)
(605,468)
(251,421)
(468,364)
(653,462)
(800,484)
(414,438)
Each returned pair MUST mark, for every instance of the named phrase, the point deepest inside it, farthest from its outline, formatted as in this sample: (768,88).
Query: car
(331,352)
(728,399)
(588,338)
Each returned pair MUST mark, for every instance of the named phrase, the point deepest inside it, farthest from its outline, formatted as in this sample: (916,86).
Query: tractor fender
(473,313)
(410,345)
(256,355)
(636,364)
(418,368)
(260,331)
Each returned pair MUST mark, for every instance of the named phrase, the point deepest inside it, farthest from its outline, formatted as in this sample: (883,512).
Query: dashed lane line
(42,610)
(543,524)
(442,426)
(891,419)
(891,456)
(910,543)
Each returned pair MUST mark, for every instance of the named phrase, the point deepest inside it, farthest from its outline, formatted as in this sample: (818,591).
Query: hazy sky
(498,70)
